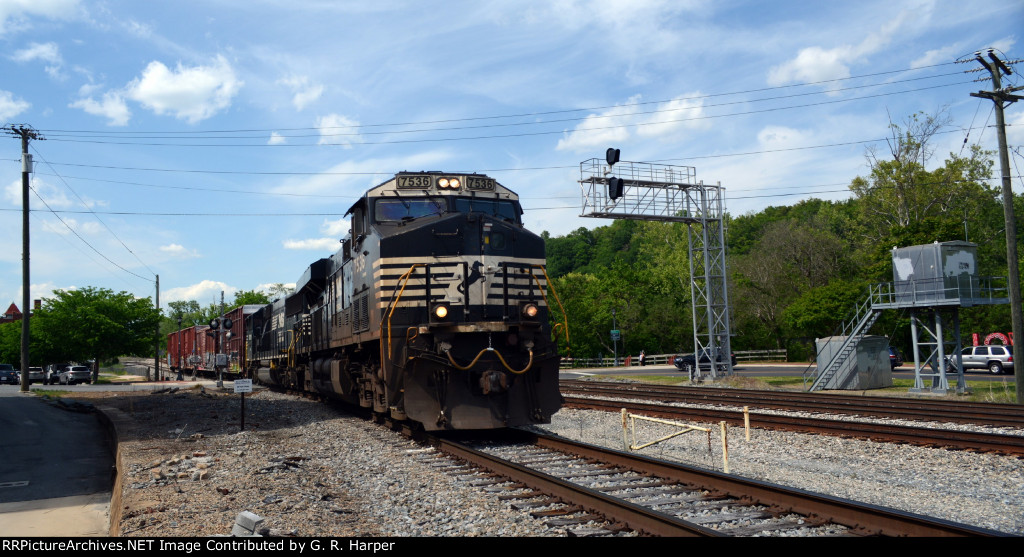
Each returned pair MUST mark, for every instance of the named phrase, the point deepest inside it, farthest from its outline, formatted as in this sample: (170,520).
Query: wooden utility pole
(26,133)
(999,96)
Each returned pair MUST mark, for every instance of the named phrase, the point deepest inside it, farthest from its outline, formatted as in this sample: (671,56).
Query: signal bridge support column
(665,193)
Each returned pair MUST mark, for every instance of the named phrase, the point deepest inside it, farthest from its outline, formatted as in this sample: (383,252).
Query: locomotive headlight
(440,312)
(530,310)
(448,183)
(442,183)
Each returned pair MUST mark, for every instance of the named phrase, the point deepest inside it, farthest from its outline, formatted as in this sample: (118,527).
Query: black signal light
(615,187)
(612,156)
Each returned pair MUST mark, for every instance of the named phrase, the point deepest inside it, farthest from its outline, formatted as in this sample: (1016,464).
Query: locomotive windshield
(398,209)
(496,207)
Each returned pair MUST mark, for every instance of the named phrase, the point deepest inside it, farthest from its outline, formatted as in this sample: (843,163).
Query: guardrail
(780,355)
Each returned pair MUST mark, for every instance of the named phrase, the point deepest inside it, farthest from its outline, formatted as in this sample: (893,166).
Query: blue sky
(218,144)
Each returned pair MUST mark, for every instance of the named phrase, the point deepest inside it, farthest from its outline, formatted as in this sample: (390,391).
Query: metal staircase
(853,330)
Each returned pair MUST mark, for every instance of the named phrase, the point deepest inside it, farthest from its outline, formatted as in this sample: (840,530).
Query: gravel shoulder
(310,470)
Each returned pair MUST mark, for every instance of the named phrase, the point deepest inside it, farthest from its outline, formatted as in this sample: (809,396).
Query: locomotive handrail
(551,286)
(392,305)
(291,349)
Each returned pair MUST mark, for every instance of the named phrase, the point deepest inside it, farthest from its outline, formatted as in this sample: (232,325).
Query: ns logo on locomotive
(434,310)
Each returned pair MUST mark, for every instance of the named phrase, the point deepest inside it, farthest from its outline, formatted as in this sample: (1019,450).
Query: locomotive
(435,310)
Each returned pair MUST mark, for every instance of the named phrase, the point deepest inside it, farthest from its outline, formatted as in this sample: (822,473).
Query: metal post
(615,341)
(179,346)
(156,356)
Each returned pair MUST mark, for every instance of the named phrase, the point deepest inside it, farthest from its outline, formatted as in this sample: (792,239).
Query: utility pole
(1000,96)
(26,133)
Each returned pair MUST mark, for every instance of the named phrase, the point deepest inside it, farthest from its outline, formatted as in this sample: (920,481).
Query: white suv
(995,358)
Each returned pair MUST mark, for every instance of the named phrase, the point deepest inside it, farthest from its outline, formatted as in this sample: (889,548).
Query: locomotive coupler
(493,382)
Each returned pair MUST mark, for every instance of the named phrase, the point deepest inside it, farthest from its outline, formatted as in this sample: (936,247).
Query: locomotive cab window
(495,207)
(393,210)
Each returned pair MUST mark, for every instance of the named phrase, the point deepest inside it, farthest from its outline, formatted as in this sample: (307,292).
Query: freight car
(211,350)
(435,310)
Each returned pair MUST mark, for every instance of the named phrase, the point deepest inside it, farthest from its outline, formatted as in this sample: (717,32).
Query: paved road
(57,470)
(56,476)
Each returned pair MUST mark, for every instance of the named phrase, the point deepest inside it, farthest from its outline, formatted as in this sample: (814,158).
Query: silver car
(36,375)
(75,374)
(995,358)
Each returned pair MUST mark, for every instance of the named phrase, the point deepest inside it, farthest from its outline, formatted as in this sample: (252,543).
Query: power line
(566,111)
(491,170)
(84,204)
(319,131)
(506,136)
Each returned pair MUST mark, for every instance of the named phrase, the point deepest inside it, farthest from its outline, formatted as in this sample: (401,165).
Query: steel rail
(634,517)
(872,519)
(997,415)
(965,440)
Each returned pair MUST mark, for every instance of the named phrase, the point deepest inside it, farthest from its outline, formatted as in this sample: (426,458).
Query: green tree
(247,297)
(95,323)
(278,290)
(790,258)
(900,194)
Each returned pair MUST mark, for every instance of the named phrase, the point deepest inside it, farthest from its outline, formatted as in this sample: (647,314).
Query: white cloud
(200,292)
(54,197)
(192,94)
(9,107)
(336,228)
(319,244)
(276,139)
(305,93)
(179,251)
(112,107)
(18,11)
(1015,129)
(619,123)
(336,129)
(815,63)
(937,56)
(812,64)
(333,231)
(46,52)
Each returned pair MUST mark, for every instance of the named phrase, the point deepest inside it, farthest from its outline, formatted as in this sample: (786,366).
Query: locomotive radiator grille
(506,282)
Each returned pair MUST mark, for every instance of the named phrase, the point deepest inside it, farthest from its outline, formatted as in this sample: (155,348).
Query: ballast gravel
(308,469)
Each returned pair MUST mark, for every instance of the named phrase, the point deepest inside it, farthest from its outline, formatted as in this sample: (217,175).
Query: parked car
(75,374)
(36,375)
(53,373)
(688,361)
(8,374)
(995,358)
(895,358)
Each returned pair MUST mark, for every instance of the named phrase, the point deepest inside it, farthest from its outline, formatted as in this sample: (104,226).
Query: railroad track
(952,411)
(922,436)
(925,436)
(572,484)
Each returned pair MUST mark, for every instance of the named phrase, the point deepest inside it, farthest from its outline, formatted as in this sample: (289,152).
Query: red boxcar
(195,349)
